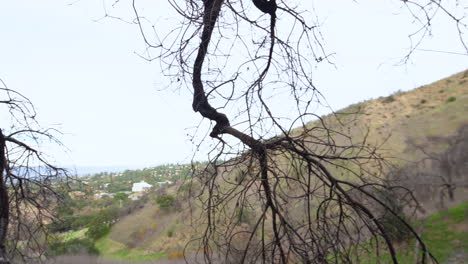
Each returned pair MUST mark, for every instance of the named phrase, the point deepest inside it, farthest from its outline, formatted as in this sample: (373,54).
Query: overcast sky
(84,78)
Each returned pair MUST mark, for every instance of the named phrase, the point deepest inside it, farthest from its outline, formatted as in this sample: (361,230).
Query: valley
(154,214)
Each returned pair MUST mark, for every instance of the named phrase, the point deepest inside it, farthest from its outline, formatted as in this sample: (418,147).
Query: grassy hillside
(439,109)
(446,236)
(395,123)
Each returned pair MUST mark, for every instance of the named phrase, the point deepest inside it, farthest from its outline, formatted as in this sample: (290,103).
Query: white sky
(84,77)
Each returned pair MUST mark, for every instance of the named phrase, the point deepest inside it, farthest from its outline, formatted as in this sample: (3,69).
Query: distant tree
(121,197)
(248,64)
(73,247)
(80,221)
(28,180)
(165,201)
(101,223)
(444,171)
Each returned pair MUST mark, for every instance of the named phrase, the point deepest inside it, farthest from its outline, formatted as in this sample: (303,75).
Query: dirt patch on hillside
(458,258)
(461,227)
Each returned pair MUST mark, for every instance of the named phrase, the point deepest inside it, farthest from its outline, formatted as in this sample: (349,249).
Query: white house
(165,182)
(141,186)
(100,194)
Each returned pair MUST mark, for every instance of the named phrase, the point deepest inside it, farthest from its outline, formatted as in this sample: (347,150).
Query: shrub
(68,223)
(121,196)
(423,101)
(244,215)
(101,223)
(165,202)
(388,99)
(451,99)
(394,227)
(80,221)
(170,233)
(73,247)
(98,230)
(63,224)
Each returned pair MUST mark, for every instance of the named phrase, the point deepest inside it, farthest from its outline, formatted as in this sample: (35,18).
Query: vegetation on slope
(148,229)
(446,234)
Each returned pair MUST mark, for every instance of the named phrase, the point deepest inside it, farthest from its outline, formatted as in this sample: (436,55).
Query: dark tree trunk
(451,193)
(449,170)
(4,205)
(451,186)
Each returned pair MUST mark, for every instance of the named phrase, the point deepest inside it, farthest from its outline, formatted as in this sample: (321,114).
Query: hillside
(406,126)
(434,110)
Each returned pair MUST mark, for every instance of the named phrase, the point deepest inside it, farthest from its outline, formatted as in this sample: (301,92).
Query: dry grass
(96,260)
(124,230)
(148,228)
(417,115)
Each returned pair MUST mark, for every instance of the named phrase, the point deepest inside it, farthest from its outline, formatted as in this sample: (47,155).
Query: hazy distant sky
(84,77)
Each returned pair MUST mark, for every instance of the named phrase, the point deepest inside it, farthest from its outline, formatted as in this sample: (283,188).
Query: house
(100,194)
(126,192)
(141,186)
(165,182)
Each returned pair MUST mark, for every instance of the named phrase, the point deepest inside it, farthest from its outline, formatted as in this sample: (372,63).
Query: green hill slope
(439,109)
(396,123)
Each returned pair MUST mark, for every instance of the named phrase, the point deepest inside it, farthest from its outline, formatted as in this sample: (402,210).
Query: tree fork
(200,102)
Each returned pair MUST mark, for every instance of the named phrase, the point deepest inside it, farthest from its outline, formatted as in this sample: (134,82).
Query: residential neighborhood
(133,183)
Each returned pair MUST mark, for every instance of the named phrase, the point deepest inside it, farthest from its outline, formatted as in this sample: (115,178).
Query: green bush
(101,224)
(68,223)
(65,208)
(121,196)
(60,225)
(423,101)
(170,233)
(165,202)
(451,99)
(80,221)
(64,215)
(98,230)
(393,226)
(244,215)
(73,247)
(388,99)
